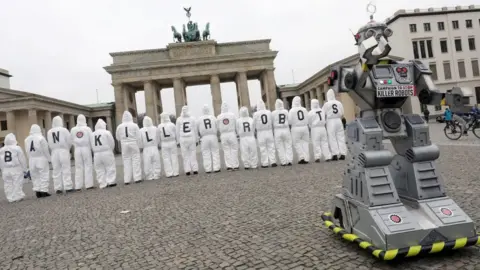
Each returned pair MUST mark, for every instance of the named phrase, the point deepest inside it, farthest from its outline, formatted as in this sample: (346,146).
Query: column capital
(117,84)
(214,78)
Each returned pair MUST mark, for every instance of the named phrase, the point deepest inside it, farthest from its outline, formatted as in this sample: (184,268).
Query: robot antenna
(372,9)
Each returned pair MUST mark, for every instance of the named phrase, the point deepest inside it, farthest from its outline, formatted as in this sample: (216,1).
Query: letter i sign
(79,134)
(226,121)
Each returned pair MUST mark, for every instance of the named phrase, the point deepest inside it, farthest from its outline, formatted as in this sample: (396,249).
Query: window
(422,49)
(433,68)
(475,70)
(413,28)
(458,45)
(447,72)
(426,27)
(3,125)
(438,108)
(477,93)
(43,123)
(461,69)
(471,43)
(468,23)
(455,24)
(443,46)
(415,49)
(441,26)
(429,49)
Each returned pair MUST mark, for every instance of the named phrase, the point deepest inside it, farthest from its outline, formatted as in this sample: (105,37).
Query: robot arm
(458,99)
(426,90)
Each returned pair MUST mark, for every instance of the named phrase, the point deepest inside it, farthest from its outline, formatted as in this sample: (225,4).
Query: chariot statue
(190,31)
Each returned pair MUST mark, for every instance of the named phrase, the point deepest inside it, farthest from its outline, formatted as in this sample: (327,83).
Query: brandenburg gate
(195,60)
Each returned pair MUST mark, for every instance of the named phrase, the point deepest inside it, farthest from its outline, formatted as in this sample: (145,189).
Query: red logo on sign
(395,218)
(79,134)
(226,121)
(446,211)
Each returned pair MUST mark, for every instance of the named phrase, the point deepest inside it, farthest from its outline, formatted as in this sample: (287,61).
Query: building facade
(19,110)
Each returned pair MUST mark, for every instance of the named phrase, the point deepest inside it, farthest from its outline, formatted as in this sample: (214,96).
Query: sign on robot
(395,91)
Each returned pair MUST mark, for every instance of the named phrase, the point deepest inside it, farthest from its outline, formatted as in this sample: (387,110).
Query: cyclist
(448,116)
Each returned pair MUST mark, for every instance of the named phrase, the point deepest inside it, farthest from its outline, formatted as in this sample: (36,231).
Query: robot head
(372,42)
(458,97)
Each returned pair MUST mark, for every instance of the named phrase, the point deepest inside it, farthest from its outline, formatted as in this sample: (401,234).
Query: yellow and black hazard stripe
(393,254)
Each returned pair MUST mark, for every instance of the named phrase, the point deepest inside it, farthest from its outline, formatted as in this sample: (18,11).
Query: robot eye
(370,33)
(388,32)
(378,36)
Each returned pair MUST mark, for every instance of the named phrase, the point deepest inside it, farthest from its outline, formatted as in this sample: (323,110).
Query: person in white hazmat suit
(336,134)
(38,154)
(281,133)
(81,135)
(262,121)
(168,142)
(103,144)
(207,129)
(248,145)
(228,137)
(298,120)
(316,121)
(187,136)
(128,134)
(14,168)
(151,155)
(60,143)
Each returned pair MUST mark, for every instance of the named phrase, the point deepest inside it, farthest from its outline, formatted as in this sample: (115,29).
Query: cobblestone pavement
(267,218)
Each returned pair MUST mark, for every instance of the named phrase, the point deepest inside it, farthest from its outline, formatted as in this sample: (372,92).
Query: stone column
(109,124)
(11,125)
(90,122)
(179,94)
(48,120)
(271,90)
(120,102)
(71,120)
(242,89)
(285,103)
(159,101)
(307,100)
(313,94)
(32,117)
(318,89)
(216,94)
(151,101)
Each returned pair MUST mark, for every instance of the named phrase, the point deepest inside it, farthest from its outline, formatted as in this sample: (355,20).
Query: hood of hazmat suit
(279,104)
(35,130)
(330,95)
(100,125)
(147,122)
(206,110)
(224,107)
(243,112)
(297,102)
(10,139)
(260,105)
(315,104)
(165,118)
(81,121)
(57,122)
(185,112)
(127,117)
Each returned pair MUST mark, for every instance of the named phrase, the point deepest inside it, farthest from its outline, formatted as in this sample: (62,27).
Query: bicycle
(473,124)
(453,130)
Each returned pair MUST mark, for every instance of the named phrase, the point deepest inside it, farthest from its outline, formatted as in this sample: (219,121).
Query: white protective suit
(128,134)
(60,143)
(228,137)
(168,142)
(151,155)
(103,145)
(248,145)
(81,135)
(281,133)
(262,121)
(187,136)
(298,119)
(14,166)
(38,154)
(207,129)
(336,134)
(316,121)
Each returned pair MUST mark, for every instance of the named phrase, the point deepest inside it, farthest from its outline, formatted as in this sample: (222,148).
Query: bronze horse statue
(177,37)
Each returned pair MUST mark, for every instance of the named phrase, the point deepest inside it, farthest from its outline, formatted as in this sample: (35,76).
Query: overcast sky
(58,48)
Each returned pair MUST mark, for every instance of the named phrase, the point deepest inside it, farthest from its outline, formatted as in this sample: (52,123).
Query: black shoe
(274,165)
(58,192)
(317,160)
(112,185)
(289,164)
(236,169)
(188,173)
(328,160)
(90,188)
(246,168)
(45,194)
(342,157)
(139,181)
(195,172)
(71,190)
(302,161)
(229,169)
(335,157)
(78,189)
(217,171)
(126,184)
(39,194)
(264,167)
(208,172)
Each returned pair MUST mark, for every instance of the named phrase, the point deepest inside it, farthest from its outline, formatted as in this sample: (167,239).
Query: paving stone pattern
(261,219)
